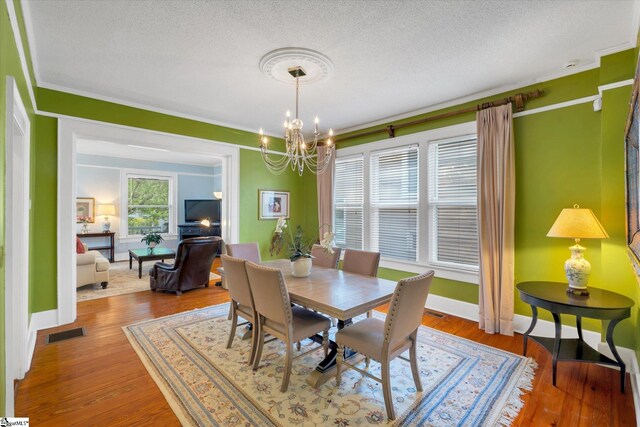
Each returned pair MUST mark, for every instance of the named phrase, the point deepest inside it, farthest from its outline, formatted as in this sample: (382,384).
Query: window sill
(467,276)
(130,239)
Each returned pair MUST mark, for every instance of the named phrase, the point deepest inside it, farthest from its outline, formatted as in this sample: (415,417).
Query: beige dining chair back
(276,316)
(322,258)
(241,297)
(383,341)
(247,251)
(361,262)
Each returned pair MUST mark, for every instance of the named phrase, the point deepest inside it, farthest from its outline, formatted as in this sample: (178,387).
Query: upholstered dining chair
(361,262)
(277,317)
(241,298)
(322,258)
(247,251)
(385,340)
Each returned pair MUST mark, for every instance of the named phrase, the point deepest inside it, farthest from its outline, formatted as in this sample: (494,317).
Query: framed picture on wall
(85,210)
(273,204)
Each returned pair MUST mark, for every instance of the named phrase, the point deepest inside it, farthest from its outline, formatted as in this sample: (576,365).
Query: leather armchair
(191,268)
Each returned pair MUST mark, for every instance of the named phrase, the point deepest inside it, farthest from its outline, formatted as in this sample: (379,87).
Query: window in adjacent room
(149,207)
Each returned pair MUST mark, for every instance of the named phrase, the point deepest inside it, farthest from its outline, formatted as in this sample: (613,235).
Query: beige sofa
(91,267)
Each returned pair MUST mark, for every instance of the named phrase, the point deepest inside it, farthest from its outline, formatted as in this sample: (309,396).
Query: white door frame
(69,131)
(17,206)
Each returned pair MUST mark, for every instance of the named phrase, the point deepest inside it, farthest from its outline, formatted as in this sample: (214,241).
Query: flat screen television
(197,210)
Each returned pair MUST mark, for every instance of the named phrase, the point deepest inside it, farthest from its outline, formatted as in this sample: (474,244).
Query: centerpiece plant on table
(298,246)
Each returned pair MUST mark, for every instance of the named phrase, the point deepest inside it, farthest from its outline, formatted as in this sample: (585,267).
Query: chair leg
(234,324)
(325,342)
(367,361)
(414,366)
(386,389)
(287,368)
(298,346)
(339,360)
(259,331)
(254,344)
(369,313)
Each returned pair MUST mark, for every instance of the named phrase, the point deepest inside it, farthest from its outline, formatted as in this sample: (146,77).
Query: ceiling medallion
(299,154)
(276,65)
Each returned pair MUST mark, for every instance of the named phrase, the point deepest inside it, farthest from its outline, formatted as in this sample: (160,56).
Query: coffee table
(149,255)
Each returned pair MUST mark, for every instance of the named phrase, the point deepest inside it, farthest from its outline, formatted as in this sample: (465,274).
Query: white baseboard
(39,321)
(544,328)
(634,372)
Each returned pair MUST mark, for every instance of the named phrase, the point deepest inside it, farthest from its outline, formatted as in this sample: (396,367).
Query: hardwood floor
(99,379)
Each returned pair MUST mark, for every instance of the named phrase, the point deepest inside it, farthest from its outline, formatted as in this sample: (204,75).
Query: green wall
(563,156)
(9,66)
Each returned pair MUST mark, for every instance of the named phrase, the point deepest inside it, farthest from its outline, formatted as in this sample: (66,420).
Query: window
(452,201)
(149,207)
(348,202)
(415,203)
(394,203)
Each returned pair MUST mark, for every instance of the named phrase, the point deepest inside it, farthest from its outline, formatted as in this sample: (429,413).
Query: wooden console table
(110,247)
(599,304)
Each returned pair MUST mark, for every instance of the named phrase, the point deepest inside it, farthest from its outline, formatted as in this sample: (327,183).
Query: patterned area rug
(465,383)
(123,281)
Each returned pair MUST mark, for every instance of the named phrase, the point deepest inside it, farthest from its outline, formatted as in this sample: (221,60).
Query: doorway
(17,203)
(71,131)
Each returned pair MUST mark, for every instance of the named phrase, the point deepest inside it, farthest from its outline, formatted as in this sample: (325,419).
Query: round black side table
(599,304)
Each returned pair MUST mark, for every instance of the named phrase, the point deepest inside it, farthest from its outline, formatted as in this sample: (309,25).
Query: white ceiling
(200,58)
(143,151)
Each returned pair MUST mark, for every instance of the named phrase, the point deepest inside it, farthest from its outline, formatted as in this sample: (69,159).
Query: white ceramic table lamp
(106,211)
(577,223)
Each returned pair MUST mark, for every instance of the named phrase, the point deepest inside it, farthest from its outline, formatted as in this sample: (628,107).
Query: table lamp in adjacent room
(106,211)
(577,223)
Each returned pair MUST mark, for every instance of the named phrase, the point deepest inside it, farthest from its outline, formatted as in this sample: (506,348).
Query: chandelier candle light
(299,153)
(576,223)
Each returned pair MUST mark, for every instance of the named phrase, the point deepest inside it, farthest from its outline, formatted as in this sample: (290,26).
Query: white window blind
(394,203)
(348,203)
(452,200)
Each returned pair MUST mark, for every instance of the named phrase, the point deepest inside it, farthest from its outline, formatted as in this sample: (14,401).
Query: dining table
(336,293)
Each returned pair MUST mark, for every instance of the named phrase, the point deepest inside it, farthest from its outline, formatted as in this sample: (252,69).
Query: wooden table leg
(556,344)
(130,262)
(534,320)
(612,347)
(139,269)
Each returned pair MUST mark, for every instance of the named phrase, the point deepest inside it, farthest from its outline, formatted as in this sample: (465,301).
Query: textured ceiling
(200,58)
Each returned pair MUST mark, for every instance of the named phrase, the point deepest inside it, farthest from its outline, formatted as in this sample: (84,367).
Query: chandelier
(298,153)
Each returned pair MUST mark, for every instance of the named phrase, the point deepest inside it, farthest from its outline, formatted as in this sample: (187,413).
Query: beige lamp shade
(106,210)
(577,223)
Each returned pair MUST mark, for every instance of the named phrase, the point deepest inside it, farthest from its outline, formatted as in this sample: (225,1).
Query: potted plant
(299,247)
(152,239)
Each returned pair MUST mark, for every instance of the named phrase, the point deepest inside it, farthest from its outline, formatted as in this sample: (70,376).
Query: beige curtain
(496,214)
(325,194)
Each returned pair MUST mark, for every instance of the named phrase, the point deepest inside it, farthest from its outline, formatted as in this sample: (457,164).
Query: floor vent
(65,335)
(433,313)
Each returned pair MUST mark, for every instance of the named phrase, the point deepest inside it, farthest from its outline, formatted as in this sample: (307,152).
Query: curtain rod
(518,99)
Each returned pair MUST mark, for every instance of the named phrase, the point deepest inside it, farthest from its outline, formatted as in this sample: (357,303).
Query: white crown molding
(15,28)
(146,107)
(158,132)
(615,85)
